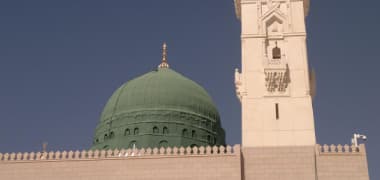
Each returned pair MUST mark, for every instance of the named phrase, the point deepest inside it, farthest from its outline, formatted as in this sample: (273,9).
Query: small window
(165,130)
(276,52)
(209,138)
(207,124)
(184,132)
(277,111)
(97,140)
(163,143)
(155,130)
(112,134)
(193,134)
(132,144)
(127,132)
(136,131)
(105,136)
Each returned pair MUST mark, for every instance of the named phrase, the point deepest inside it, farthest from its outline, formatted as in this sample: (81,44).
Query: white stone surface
(265,81)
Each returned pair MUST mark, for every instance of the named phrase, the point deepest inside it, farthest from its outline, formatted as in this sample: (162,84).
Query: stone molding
(121,154)
(239,2)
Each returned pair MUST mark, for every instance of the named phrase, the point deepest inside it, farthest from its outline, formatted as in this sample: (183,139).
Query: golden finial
(164,63)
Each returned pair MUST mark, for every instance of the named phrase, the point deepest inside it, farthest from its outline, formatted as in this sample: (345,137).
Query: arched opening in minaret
(276,52)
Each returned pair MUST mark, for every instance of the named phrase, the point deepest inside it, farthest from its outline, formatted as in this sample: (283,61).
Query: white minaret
(275,86)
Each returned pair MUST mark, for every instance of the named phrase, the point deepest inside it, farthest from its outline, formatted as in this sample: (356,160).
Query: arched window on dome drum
(184,132)
(193,134)
(112,134)
(193,145)
(208,124)
(127,132)
(105,136)
(165,130)
(132,144)
(163,143)
(136,131)
(155,130)
(203,123)
(209,139)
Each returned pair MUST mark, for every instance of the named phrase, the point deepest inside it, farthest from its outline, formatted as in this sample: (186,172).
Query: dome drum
(173,131)
(158,109)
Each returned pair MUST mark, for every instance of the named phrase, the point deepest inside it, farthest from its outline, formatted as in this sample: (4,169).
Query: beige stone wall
(279,163)
(275,92)
(259,163)
(342,163)
(157,165)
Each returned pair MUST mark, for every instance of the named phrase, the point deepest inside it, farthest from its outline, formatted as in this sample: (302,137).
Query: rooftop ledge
(123,153)
(238,6)
(160,153)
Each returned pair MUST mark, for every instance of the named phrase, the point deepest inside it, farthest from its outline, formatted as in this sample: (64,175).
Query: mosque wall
(204,163)
(274,163)
(342,163)
(146,164)
(334,162)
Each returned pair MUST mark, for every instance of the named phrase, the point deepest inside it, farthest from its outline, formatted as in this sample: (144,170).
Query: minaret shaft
(273,85)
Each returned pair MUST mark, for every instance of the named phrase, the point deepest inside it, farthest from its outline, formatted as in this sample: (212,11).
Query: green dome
(160,108)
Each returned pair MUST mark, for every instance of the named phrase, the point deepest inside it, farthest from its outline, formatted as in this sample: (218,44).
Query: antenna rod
(44,147)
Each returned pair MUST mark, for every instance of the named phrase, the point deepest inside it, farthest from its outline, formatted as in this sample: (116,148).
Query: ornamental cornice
(170,152)
(239,2)
(282,36)
(160,112)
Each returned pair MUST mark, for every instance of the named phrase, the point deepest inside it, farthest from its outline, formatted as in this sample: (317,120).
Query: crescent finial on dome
(164,63)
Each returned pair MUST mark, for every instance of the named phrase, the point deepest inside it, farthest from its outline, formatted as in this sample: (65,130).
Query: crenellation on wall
(322,162)
(340,149)
(123,153)
(341,162)
(202,163)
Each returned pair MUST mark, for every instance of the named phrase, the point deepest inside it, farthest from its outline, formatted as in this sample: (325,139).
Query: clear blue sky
(61,60)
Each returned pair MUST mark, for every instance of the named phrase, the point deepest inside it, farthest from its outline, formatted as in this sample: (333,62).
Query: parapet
(340,149)
(123,153)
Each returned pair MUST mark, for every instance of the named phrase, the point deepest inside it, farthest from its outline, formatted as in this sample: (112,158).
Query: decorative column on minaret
(274,83)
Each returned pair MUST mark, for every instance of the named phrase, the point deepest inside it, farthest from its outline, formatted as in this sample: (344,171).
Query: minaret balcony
(275,62)
(277,77)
